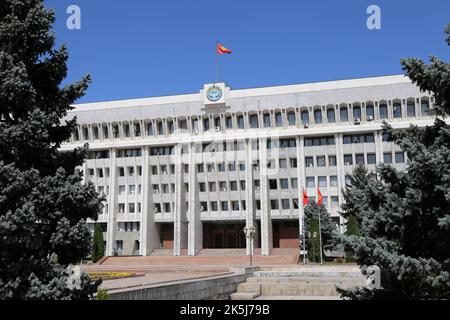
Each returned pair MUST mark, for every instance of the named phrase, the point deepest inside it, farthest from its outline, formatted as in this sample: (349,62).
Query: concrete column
(180,232)
(149,236)
(113,205)
(301,182)
(250,218)
(340,173)
(266,221)
(379,145)
(195,226)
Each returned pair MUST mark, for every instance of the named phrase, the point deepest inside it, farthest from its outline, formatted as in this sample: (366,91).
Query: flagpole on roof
(217,63)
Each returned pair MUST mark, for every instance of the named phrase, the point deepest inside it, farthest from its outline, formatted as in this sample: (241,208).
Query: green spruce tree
(43,203)
(404,216)
(327,226)
(98,248)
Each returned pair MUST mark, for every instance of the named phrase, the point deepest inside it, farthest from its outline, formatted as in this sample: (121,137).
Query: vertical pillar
(266,221)
(340,173)
(180,233)
(301,185)
(149,236)
(113,205)
(249,195)
(195,226)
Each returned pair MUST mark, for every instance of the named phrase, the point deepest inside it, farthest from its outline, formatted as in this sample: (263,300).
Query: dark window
(291,118)
(411,109)
(371,158)
(305,117)
(383,111)
(399,157)
(318,116)
(359,157)
(397,110)
(331,116)
(387,157)
(348,159)
(332,161)
(344,114)
(370,112)
(278,119)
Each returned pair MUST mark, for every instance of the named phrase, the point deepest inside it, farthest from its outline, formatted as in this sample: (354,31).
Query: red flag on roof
(222,50)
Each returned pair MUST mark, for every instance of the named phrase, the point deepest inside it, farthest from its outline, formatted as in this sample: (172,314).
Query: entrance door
(231,239)
(218,239)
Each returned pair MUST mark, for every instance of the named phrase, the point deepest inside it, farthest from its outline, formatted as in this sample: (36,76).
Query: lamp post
(250,233)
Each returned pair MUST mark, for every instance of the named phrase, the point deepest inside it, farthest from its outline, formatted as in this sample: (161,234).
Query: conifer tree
(327,227)
(43,203)
(98,248)
(404,216)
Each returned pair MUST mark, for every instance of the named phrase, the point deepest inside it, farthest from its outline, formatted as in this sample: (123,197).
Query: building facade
(189,172)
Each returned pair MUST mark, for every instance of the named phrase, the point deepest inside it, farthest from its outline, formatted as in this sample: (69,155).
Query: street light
(250,233)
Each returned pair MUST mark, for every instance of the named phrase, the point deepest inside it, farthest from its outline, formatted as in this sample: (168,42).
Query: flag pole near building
(303,230)
(220,50)
(319,203)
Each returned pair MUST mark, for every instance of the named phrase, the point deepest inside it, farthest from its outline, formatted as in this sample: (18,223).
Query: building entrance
(223,235)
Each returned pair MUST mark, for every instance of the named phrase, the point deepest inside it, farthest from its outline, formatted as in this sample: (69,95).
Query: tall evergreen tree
(404,216)
(43,203)
(328,227)
(98,248)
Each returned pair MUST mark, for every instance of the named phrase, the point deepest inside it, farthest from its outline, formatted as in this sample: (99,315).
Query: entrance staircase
(299,283)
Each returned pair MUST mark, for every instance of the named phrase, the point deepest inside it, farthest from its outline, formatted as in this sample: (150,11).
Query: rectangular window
(121,190)
(332,161)
(224,205)
(387,157)
(121,172)
(359,157)
(293,163)
(242,185)
(399,157)
(274,205)
(285,204)
(273,185)
(284,183)
(235,205)
(202,187)
(310,183)
(233,186)
(200,168)
(212,187)
(309,162)
(131,208)
(322,182)
(283,164)
(132,189)
(119,245)
(294,183)
(241,166)
(333,181)
(121,207)
(232,166)
(371,158)
(348,159)
(320,161)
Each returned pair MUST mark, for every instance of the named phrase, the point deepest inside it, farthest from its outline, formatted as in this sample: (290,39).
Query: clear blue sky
(142,48)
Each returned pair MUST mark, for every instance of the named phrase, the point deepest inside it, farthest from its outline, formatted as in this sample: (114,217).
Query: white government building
(189,172)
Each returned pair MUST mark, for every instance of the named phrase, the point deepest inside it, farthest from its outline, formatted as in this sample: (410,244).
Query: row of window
(128,226)
(130,208)
(159,127)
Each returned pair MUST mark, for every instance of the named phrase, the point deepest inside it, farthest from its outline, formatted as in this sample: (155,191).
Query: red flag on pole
(319,197)
(222,50)
(305,197)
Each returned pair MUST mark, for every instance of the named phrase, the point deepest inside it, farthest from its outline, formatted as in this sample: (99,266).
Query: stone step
(309,274)
(244,295)
(300,289)
(249,287)
(356,281)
